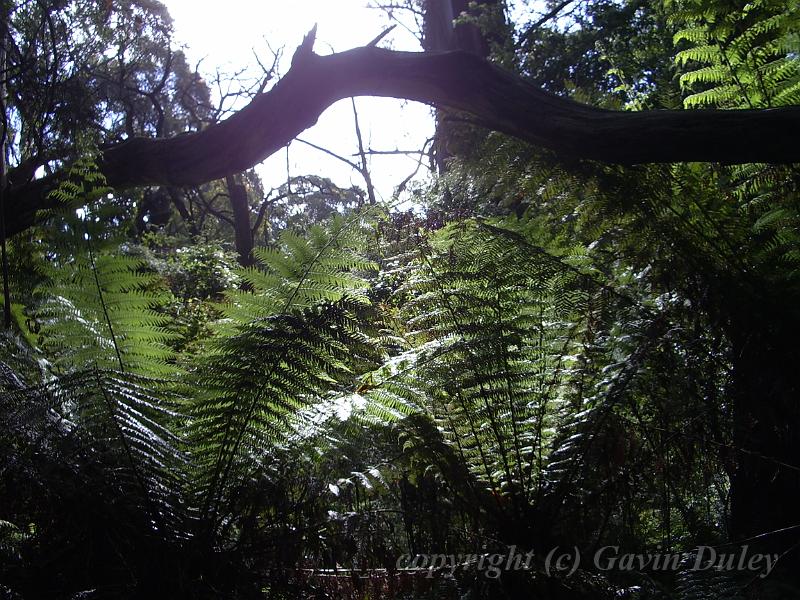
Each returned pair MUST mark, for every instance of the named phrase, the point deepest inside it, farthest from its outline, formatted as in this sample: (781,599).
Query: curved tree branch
(497,99)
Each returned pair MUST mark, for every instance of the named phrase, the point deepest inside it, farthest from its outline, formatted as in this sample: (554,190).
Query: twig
(262,210)
(402,185)
(331,153)
(389,152)
(549,15)
(382,35)
(364,165)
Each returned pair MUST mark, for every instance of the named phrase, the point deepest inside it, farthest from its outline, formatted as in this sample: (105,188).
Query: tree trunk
(442,34)
(4,15)
(241,221)
(765,485)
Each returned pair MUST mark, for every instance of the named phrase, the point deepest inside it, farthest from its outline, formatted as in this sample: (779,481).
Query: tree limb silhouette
(497,99)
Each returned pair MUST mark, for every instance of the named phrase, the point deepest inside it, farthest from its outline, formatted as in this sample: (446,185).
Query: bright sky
(226,35)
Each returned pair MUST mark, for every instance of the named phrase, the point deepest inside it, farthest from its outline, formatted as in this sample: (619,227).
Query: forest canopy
(581,335)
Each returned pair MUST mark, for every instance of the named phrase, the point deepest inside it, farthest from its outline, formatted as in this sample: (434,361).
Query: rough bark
(442,34)
(497,99)
(4,12)
(241,221)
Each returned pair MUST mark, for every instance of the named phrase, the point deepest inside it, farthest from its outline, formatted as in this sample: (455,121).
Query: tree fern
(107,384)
(288,339)
(491,322)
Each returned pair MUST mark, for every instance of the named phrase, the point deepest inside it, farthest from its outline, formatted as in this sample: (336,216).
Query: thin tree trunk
(241,221)
(765,401)
(442,34)
(4,16)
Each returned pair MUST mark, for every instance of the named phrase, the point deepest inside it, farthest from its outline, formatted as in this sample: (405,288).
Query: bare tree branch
(331,153)
(364,170)
(549,15)
(382,35)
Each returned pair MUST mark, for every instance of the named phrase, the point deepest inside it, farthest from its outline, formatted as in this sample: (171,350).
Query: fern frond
(324,266)
(284,345)
(745,57)
(255,384)
(491,322)
(102,310)
(122,423)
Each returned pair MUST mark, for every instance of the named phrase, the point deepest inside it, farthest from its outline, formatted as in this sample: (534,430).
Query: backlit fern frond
(100,309)
(288,341)
(492,321)
(256,383)
(592,411)
(741,58)
(98,305)
(105,407)
(301,271)
(109,426)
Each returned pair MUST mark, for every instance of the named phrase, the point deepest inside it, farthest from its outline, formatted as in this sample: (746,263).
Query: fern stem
(509,388)
(102,298)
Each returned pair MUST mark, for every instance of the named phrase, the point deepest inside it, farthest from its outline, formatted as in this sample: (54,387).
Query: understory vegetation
(283,398)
